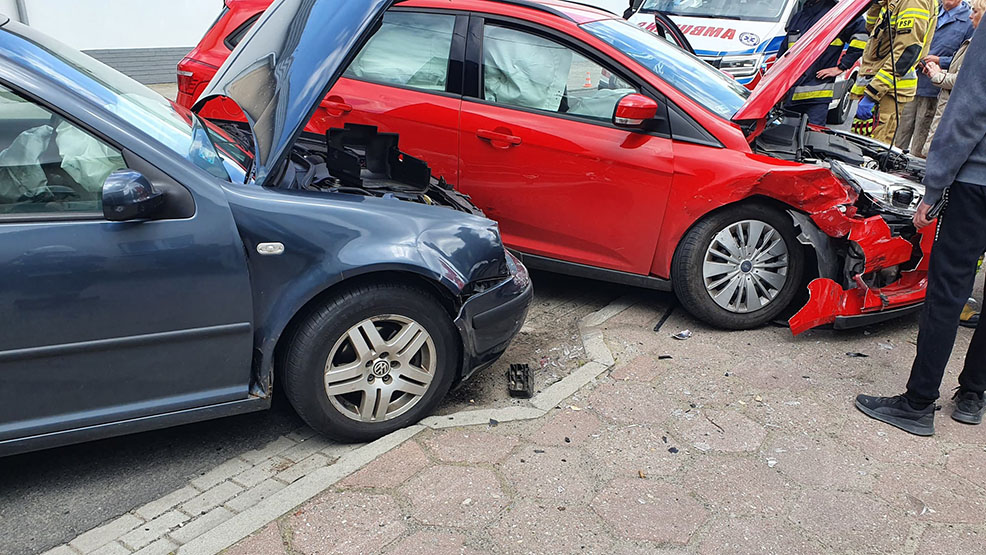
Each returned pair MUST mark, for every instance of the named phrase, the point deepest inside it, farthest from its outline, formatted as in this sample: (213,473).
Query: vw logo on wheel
(749,39)
(381,368)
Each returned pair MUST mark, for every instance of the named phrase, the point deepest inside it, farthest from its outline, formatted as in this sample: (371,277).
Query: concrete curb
(317,480)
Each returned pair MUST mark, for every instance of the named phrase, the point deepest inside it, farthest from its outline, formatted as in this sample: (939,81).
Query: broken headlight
(887,192)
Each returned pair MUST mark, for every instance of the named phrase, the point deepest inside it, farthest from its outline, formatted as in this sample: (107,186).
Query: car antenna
(893,74)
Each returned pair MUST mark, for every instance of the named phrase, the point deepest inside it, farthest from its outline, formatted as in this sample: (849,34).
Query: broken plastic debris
(665,357)
(494,423)
(886,346)
(683,335)
(519,382)
(857,355)
(771,463)
(641,474)
(568,440)
(672,450)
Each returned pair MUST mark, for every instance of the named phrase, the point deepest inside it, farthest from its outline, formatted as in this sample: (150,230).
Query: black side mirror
(128,195)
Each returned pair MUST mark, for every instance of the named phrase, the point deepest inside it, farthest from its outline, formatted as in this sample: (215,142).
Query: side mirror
(128,195)
(633,111)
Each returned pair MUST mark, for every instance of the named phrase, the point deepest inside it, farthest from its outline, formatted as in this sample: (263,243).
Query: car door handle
(336,106)
(498,139)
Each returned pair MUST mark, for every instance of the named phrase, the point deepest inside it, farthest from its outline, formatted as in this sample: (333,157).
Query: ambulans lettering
(703,31)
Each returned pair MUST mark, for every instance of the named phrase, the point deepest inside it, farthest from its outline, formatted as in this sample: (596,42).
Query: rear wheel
(840,114)
(739,268)
(372,360)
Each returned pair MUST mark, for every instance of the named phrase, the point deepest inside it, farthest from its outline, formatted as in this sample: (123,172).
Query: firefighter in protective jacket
(900,35)
(815,90)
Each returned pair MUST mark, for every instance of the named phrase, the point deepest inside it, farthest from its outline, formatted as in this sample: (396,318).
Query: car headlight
(741,66)
(890,193)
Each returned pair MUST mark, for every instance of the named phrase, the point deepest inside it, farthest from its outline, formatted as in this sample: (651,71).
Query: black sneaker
(896,411)
(970,322)
(969,406)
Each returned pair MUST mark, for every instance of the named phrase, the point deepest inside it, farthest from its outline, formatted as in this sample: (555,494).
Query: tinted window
(528,71)
(48,165)
(693,77)
(409,49)
(237,35)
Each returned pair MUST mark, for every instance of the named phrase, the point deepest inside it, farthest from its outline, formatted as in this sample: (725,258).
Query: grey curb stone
(200,525)
(152,530)
(558,392)
(275,447)
(160,506)
(162,546)
(211,499)
(98,537)
(254,495)
(475,417)
(220,474)
(299,470)
(608,311)
(595,347)
(61,550)
(111,549)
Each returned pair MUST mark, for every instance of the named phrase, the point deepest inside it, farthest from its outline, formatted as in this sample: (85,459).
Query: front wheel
(373,360)
(739,268)
(840,114)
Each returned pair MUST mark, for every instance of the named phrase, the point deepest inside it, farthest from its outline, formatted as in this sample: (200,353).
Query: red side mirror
(634,110)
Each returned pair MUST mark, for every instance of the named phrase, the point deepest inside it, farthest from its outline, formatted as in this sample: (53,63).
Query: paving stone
(390,470)
(470,446)
(202,524)
(705,385)
(950,432)
(726,431)
(61,550)
(567,427)
(299,470)
(346,523)
(102,535)
(951,539)
(646,309)
(769,373)
(267,541)
(248,498)
(631,403)
(153,529)
(644,368)
(933,495)
(427,542)
(627,451)
(739,485)
(650,510)
(113,548)
(162,505)
(969,463)
(210,499)
(537,527)
(797,413)
(220,473)
(559,473)
(262,471)
(884,443)
(817,460)
(275,447)
(455,496)
(754,535)
(848,522)
(163,546)
(306,448)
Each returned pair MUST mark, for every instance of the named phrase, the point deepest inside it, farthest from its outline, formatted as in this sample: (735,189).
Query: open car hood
(798,59)
(286,64)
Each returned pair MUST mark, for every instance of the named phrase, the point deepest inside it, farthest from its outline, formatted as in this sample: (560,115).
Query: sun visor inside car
(525,70)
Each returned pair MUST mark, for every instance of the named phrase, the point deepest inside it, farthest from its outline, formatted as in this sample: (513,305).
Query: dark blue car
(156,269)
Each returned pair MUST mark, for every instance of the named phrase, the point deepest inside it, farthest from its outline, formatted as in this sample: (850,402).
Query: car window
(237,35)
(409,49)
(47,164)
(528,71)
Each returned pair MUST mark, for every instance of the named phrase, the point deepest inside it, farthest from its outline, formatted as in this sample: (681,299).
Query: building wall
(142,38)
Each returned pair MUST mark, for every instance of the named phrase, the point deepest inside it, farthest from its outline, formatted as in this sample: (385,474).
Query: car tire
(748,290)
(840,114)
(336,370)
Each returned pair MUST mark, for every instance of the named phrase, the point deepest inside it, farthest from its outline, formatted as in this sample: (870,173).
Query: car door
(109,321)
(406,80)
(541,155)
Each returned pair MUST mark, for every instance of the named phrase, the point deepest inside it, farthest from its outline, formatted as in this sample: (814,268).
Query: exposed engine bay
(360,160)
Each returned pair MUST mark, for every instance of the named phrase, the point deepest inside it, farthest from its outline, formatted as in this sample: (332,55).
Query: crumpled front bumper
(861,304)
(488,321)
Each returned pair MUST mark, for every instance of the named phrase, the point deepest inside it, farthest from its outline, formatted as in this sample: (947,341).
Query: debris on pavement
(519,382)
(665,357)
(494,423)
(673,450)
(857,355)
(683,335)
(771,463)
(641,474)
(664,318)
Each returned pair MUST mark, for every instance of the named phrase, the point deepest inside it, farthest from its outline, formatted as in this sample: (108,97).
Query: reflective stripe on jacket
(906,27)
(852,40)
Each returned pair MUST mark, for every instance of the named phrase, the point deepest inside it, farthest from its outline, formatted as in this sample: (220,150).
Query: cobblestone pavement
(636,443)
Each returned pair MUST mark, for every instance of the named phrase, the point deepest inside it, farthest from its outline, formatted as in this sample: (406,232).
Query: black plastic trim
(591,272)
(850,322)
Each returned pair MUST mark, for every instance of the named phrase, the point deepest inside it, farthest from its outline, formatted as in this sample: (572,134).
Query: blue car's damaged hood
(286,64)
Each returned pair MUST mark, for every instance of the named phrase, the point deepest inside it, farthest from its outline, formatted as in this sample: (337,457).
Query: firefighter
(815,90)
(900,36)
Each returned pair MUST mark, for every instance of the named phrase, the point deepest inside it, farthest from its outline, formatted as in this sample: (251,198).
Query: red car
(605,151)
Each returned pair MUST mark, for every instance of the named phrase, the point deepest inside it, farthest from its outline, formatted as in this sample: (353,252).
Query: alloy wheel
(745,266)
(380,369)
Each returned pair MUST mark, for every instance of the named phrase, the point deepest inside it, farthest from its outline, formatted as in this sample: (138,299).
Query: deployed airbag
(20,165)
(525,70)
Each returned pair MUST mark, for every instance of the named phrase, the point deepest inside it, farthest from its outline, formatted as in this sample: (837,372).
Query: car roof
(571,11)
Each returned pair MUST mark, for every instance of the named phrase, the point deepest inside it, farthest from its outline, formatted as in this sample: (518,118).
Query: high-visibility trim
(837,42)
(916,13)
(810,95)
(856,43)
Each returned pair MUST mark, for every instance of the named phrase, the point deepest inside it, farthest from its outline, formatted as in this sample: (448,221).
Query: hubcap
(380,368)
(745,266)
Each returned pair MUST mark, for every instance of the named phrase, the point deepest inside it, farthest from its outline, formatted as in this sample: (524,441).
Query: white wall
(97,24)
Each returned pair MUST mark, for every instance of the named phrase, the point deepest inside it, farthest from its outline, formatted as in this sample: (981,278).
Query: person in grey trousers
(956,161)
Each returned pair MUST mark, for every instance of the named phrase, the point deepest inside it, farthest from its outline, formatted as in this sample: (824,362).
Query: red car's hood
(798,59)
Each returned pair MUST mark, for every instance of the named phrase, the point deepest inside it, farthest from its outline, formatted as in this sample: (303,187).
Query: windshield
(694,78)
(172,125)
(748,10)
